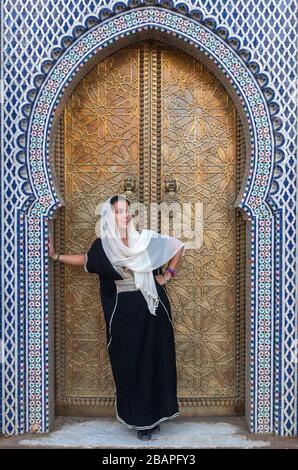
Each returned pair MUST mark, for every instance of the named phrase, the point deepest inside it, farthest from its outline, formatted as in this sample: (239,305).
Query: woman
(139,329)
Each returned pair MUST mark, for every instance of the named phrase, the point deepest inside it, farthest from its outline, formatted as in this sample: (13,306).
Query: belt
(124,285)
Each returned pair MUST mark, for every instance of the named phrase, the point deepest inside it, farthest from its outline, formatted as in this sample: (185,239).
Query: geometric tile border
(271,378)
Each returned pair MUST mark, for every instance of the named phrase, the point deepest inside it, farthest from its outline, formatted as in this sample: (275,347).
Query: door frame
(68,404)
(257,199)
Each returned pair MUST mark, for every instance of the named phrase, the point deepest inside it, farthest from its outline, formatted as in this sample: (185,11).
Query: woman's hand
(160,279)
(76,260)
(52,252)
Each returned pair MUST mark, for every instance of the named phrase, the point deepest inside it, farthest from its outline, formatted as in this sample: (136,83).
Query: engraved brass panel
(199,149)
(152,111)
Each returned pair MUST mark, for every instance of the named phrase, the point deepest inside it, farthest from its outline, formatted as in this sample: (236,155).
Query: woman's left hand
(160,279)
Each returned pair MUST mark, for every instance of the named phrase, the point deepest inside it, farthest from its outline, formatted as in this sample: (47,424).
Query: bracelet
(57,259)
(172,271)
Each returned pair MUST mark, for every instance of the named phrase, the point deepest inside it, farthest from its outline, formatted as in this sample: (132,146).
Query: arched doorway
(147,113)
(250,90)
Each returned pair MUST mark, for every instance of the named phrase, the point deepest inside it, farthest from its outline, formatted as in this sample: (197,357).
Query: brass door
(145,114)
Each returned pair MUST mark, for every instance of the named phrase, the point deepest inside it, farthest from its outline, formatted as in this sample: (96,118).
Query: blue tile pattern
(30,31)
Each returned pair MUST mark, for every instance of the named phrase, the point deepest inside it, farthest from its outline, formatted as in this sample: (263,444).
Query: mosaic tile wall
(30,30)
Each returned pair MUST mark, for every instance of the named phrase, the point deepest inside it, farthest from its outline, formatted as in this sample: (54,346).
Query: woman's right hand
(52,253)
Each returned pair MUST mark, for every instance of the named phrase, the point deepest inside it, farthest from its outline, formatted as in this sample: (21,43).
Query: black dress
(140,345)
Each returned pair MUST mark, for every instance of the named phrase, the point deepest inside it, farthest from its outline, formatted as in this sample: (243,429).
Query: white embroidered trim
(131,426)
(138,287)
(167,312)
(110,324)
(156,298)
(86,260)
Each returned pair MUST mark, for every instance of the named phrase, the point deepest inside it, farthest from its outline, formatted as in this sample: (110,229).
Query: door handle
(130,188)
(171,188)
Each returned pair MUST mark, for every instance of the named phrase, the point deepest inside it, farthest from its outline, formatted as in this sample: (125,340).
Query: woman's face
(122,215)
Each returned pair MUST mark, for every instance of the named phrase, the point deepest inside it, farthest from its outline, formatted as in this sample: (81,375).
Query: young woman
(137,311)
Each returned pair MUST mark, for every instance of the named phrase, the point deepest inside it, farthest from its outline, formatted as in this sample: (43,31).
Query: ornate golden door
(154,122)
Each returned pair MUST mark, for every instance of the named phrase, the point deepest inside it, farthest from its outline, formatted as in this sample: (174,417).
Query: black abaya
(140,345)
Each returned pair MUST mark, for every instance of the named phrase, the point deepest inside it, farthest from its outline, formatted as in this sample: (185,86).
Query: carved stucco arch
(253,98)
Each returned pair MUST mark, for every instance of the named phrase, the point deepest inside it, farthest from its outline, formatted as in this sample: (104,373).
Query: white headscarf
(145,252)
